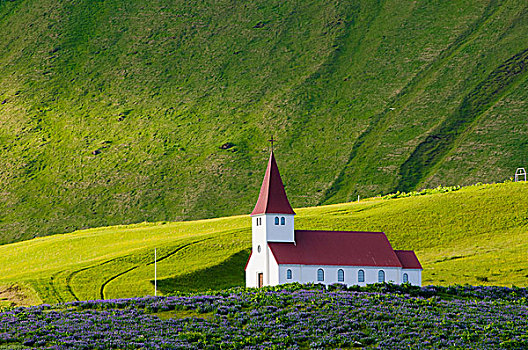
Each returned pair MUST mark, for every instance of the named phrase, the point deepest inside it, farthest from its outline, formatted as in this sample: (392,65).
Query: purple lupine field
(291,317)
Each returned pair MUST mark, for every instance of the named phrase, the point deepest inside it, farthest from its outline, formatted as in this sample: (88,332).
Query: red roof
(408,259)
(272,197)
(336,248)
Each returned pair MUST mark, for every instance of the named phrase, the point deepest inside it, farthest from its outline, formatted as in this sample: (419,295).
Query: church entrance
(260,279)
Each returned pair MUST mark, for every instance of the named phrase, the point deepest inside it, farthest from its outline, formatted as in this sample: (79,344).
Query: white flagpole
(155,273)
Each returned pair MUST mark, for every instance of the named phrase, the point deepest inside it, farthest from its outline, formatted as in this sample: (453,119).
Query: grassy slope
(477,235)
(154,88)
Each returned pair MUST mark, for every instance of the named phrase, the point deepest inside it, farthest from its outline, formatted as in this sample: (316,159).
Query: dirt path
(14,295)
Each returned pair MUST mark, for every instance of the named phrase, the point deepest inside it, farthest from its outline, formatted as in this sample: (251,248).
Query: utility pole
(155,272)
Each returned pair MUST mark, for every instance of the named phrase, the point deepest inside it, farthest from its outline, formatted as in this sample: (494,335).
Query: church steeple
(272,220)
(272,198)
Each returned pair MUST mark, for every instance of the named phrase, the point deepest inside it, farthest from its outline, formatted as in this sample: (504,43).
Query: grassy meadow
(124,111)
(476,235)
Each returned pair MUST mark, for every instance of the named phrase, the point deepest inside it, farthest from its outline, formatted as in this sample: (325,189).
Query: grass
(476,235)
(116,111)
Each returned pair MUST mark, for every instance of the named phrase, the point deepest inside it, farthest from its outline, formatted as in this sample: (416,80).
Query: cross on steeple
(272,140)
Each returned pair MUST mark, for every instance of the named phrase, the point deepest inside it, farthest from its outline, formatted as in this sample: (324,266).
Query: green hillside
(476,235)
(117,112)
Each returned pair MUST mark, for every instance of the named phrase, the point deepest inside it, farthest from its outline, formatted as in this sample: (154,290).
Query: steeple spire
(272,198)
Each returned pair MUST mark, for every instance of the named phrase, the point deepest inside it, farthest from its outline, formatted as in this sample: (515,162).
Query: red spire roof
(272,197)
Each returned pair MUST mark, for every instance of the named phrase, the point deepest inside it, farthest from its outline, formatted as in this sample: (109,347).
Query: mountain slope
(476,235)
(124,111)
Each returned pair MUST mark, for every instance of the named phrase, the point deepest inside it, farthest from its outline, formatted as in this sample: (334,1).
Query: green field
(476,235)
(124,111)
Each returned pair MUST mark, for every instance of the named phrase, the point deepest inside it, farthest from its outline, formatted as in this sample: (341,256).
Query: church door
(260,280)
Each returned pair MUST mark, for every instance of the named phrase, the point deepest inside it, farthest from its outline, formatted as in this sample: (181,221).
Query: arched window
(320,275)
(283,221)
(340,275)
(361,276)
(276,220)
(405,278)
(288,274)
(381,276)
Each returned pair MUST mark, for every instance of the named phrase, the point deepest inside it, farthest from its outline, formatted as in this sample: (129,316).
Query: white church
(281,254)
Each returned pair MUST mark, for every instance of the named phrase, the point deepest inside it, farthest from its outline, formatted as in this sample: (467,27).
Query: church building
(280,254)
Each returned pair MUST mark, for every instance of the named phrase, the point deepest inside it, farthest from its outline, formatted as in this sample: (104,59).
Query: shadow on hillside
(227,274)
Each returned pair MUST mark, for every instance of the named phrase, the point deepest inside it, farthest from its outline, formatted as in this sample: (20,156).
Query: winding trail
(114,277)
(54,289)
(72,275)
(103,286)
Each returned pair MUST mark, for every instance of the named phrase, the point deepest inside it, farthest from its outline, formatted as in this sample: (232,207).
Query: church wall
(280,233)
(262,263)
(258,232)
(296,274)
(251,273)
(308,273)
(415,276)
(273,270)
(259,260)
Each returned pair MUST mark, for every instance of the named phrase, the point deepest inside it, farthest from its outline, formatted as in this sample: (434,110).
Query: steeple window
(283,220)
(276,220)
